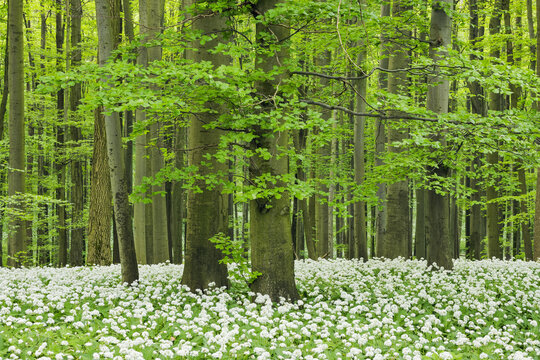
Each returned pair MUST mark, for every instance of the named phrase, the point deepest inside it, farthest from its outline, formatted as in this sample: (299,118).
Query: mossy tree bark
(271,241)
(16,172)
(207,212)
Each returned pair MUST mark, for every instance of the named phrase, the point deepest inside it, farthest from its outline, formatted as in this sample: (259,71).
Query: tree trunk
(536,254)
(139,208)
(16,172)
(420,228)
(77,226)
(159,206)
(107,15)
(100,212)
(207,210)
(360,229)
(178,203)
(525,227)
(395,241)
(380,138)
(495,104)
(271,242)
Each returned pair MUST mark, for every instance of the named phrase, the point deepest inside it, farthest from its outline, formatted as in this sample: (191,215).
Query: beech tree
(16,173)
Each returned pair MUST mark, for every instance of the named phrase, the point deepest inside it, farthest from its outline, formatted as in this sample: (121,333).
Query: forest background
(185,131)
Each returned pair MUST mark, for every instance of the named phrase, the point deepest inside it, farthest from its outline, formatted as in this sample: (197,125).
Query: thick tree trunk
(395,241)
(207,210)
(271,242)
(16,172)
(100,212)
(107,16)
(440,244)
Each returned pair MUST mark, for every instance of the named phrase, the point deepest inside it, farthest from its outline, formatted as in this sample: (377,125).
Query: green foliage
(235,256)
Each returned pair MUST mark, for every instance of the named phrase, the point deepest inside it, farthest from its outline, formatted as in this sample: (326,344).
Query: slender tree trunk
(16,172)
(380,138)
(495,104)
(77,226)
(360,226)
(271,242)
(420,229)
(395,241)
(100,212)
(139,208)
(536,254)
(207,210)
(525,227)
(159,206)
(107,16)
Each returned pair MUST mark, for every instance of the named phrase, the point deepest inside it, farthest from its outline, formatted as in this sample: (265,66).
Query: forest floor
(376,310)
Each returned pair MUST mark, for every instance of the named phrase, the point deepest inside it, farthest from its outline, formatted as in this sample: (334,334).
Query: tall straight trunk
(100,212)
(360,226)
(140,208)
(207,210)
(536,253)
(16,172)
(395,241)
(159,207)
(107,15)
(43,253)
(3,107)
(177,200)
(439,242)
(77,226)
(304,225)
(478,106)
(495,104)
(380,137)
(324,154)
(271,242)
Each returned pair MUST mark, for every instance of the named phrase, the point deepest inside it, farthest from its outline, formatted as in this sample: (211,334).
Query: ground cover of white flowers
(376,310)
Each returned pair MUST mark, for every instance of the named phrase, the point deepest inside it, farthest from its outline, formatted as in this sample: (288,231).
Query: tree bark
(440,244)
(139,208)
(107,14)
(495,104)
(159,207)
(395,241)
(77,200)
(16,172)
(271,242)
(178,203)
(360,226)
(100,212)
(536,254)
(207,210)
